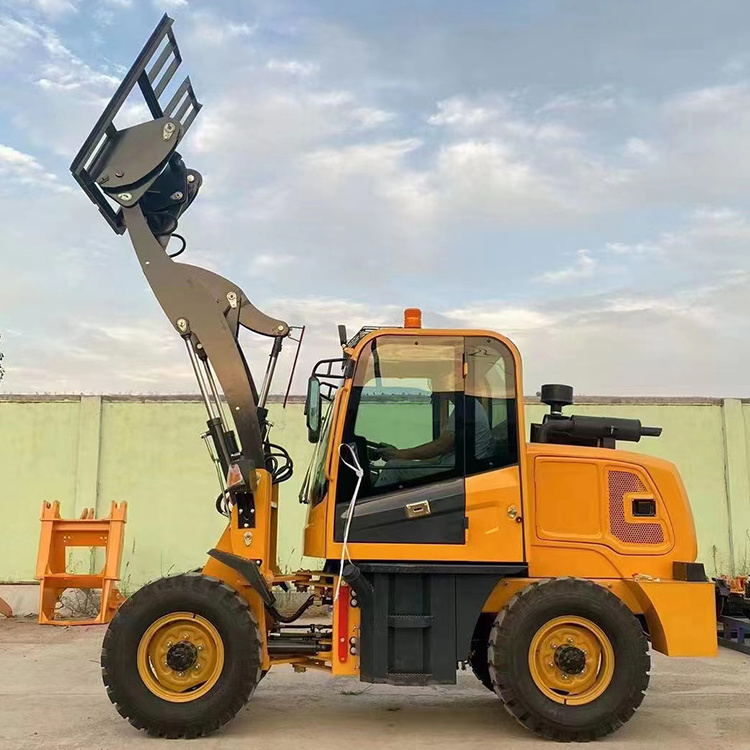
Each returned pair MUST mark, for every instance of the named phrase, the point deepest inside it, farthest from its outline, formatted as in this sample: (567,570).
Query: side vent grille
(622,483)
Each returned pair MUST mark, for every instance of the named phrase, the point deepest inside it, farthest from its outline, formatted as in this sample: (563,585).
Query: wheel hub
(570,660)
(182,656)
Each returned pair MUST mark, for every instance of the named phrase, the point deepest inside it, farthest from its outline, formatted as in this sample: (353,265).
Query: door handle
(418,509)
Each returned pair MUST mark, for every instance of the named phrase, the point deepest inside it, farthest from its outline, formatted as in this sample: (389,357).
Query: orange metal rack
(56,536)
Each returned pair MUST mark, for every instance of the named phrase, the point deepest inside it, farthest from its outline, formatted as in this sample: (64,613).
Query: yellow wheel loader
(448,538)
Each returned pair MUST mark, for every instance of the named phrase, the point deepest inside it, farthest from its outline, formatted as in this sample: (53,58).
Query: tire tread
(499,646)
(223,596)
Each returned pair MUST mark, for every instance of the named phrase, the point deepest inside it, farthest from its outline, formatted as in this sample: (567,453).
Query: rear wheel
(181,656)
(478,654)
(568,659)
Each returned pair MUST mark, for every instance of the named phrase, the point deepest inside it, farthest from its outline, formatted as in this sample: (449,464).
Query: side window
(491,437)
(407,398)
(318,484)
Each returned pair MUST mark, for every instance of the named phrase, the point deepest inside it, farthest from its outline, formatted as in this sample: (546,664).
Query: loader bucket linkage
(140,184)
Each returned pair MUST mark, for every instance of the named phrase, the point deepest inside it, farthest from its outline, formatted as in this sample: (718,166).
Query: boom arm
(141,185)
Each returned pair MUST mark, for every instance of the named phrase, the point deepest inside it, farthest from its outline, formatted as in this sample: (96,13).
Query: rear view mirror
(313,409)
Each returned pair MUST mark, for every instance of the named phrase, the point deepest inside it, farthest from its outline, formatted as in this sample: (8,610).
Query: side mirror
(313,410)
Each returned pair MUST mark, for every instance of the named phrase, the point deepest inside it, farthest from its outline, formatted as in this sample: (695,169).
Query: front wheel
(181,656)
(569,660)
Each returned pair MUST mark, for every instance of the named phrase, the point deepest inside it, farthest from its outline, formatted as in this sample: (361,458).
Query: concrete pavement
(51,696)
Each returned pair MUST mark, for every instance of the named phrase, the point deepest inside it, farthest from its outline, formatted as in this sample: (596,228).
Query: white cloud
(715,238)
(459,113)
(136,356)
(584,267)
(640,149)
(711,100)
(602,99)
(17,160)
(634,248)
(265,263)
(14,36)
(303,68)
(702,142)
(212,31)
(711,243)
(371,117)
(52,8)
(492,180)
(18,168)
(513,320)
(630,344)
(501,118)
(68,94)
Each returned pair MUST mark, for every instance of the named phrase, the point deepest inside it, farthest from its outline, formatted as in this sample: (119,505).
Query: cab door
(407,391)
(451,401)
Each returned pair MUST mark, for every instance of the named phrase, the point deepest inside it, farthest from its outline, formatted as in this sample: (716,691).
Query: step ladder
(57,535)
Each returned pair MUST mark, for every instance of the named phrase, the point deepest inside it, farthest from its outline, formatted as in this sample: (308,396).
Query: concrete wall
(88,451)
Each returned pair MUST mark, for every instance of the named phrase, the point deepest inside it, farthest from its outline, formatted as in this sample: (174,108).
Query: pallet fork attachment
(89,165)
(57,535)
(141,185)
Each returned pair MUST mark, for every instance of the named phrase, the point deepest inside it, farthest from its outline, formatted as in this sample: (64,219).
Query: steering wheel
(373,450)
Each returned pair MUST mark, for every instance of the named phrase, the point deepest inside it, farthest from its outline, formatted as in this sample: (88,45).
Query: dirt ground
(51,696)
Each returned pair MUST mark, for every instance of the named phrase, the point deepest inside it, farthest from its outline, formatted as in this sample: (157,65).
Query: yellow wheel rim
(180,657)
(571,660)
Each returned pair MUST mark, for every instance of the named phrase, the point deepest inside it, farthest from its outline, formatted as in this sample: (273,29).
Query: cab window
(407,392)
(491,436)
(318,484)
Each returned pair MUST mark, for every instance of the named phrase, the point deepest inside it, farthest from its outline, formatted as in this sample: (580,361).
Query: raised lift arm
(140,184)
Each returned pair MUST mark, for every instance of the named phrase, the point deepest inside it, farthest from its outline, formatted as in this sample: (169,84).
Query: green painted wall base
(87,451)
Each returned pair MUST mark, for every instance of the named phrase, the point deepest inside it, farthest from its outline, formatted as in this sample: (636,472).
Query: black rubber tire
(478,660)
(227,612)
(510,639)
(481,668)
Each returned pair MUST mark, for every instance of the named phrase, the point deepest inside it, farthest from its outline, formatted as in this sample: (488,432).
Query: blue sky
(572,174)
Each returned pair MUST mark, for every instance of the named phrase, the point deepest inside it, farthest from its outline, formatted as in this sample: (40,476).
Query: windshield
(314,489)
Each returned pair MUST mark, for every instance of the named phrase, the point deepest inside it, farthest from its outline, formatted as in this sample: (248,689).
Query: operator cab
(446,400)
